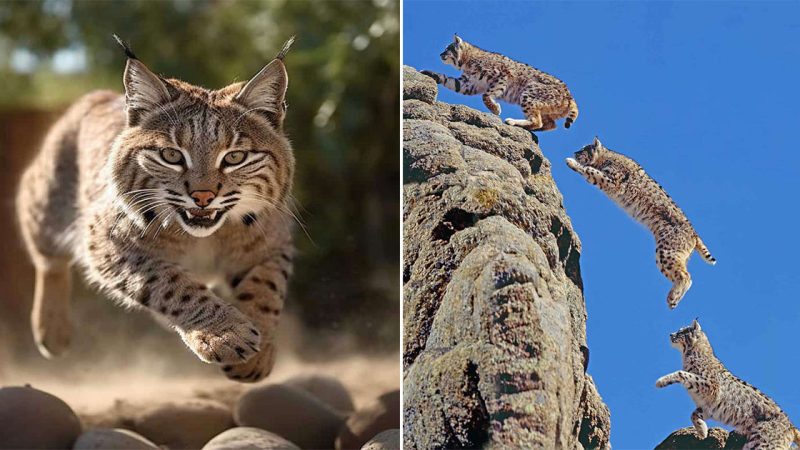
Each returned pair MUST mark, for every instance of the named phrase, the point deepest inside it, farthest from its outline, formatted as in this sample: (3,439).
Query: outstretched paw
(573,164)
(255,369)
(494,108)
(436,77)
(233,340)
(663,381)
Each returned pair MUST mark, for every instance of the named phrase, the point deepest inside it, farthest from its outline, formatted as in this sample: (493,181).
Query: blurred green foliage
(343,116)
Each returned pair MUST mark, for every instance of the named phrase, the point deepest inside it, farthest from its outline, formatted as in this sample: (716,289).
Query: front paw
(232,340)
(573,164)
(436,77)
(702,431)
(255,369)
(494,108)
(663,381)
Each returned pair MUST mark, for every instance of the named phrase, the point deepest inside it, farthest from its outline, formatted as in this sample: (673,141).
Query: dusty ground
(108,376)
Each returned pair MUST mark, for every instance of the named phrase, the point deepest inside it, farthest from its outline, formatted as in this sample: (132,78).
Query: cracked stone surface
(495,350)
(686,438)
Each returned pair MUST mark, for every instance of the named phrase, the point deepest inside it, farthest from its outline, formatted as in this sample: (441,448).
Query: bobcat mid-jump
(626,182)
(161,195)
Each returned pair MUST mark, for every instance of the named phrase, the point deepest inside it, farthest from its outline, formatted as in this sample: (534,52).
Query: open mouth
(200,217)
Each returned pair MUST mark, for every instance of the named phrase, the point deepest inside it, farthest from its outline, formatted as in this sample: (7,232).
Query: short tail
(573,113)
(703,251)
(285,49)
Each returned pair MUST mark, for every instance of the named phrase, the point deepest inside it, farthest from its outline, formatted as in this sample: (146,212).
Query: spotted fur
(721,396)
(627,183)
(174,199)
(543,97)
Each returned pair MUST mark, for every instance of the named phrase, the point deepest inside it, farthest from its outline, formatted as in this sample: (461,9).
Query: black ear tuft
(285,49)
(128,52)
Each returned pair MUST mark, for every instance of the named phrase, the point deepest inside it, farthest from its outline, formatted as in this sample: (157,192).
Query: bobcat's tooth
(213,215)
(189,215)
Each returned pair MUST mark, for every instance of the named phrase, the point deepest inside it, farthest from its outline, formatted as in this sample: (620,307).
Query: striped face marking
(195,157)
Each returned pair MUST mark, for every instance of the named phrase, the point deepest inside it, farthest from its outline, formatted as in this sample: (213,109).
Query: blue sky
(705,96)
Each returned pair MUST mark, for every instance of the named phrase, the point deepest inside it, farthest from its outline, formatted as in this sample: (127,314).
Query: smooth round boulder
(328,389)
(112,439)
(291,413)
(381,415)
(385,440)
(30,418)
(187,424)
(247,438)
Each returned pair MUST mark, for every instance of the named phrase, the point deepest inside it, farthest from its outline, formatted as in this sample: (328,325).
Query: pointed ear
(597,143)
(144,90)
(457,39)
(696,325)
(266,92)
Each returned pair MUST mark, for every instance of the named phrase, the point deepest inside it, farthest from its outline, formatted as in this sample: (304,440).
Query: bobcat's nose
(202,198)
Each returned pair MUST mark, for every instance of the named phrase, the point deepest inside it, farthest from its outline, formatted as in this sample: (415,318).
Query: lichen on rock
(494,317)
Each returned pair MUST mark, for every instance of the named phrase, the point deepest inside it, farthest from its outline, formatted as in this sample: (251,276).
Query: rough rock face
(717,438)
(495,322)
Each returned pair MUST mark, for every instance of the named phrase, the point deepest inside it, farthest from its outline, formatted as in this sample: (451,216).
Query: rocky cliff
(495,351)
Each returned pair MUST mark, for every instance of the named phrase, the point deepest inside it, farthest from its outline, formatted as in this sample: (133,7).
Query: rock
(596,420)
(30,418)
(494,329)
(291,413)
(380,415)
(328,389)
(685,439)
(424,87)
(246,438)
(387,440)
(187,424)
(112,439)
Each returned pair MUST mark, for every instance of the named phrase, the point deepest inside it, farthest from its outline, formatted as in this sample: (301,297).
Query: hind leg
(50,315)
(770,435)
(548,123)
(532,122)
(45,210)
(673,266)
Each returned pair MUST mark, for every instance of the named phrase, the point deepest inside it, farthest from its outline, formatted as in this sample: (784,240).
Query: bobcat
(720,396)
(169,197)
(543,97)
(622,179)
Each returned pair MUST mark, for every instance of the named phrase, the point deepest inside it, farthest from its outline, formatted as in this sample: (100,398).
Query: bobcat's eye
(171,156)
(234,158)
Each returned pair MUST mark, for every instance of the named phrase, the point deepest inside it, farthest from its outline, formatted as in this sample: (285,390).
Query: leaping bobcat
(543,97)
(161,195)
(626,182)
(721,396)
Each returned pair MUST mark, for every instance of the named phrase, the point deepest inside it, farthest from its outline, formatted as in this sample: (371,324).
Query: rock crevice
(495,322)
